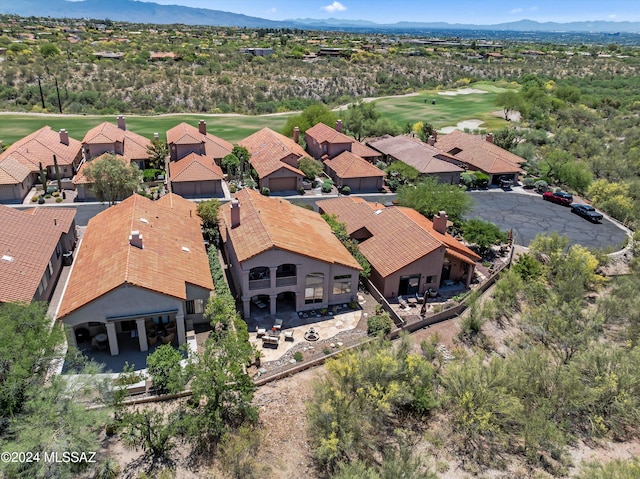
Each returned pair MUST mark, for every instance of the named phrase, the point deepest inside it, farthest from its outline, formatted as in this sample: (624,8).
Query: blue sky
(451,11)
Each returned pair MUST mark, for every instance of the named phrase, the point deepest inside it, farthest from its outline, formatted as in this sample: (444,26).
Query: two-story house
(284,257)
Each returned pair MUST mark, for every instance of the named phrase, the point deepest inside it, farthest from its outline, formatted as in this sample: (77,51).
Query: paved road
(528,214)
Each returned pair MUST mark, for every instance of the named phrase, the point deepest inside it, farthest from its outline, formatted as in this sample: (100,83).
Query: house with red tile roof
(358,174)
(196,176)
(184,139)
(275,158)
(408,253)
(284,257)
(426,158)
(33,245)
(142,272)
(28,153)
(325,142)
(480,154)
(109,138)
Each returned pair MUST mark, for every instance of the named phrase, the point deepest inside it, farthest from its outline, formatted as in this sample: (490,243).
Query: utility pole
(58,92)
(41,95)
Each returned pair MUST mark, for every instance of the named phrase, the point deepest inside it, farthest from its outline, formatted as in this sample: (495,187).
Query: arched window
(313,290)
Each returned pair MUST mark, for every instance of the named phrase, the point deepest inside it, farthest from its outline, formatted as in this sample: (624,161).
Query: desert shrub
(379,324)
(528,182)
(327,186)
(58,200)
(297,356)
(265,191)
(346,190)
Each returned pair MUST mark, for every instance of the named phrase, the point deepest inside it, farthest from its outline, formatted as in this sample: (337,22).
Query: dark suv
(588,212)
(560,197)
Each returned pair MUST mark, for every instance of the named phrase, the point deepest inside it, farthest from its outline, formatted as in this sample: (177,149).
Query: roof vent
(7,258)
(144,220)
(135,239)
(377,212)
(186,250)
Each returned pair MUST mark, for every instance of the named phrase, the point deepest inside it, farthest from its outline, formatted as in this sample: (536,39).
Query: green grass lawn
(448,111)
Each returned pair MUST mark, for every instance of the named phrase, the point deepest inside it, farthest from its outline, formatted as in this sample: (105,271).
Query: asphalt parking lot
(528,214)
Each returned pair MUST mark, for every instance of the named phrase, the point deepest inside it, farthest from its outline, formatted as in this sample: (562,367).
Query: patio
(326,326)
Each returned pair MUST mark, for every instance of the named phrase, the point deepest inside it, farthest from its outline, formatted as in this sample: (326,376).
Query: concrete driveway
(528,214)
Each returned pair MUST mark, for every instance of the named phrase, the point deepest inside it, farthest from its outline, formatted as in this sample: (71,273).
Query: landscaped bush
(150,174)
(346,190)
(301,191)
(298,356)
(528,182)
(55,194)
(58,200)
(35,198)
(232,188)
(541,186)
(379,324)
(41,200)
(327,186)
(265,191)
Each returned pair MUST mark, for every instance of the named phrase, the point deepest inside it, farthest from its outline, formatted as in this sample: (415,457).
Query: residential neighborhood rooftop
(153,245)
(348,165)
(134,145)
(27,243)
(194,167)
(40,146)
(265,223)
(185,134)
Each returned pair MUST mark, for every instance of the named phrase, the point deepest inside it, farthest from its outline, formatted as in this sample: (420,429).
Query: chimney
(202,127)
(296,134)
(235,213)
(135,239)
(435,135)
(431,141)
(121,123)
(440,222)
(339,126)
(489,137)
(64,137)
(156,136)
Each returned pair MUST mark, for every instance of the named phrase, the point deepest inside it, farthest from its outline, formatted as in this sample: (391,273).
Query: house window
(50,270)
(58,250)
(195,306)
(342,284)
(431,279)
(314,288)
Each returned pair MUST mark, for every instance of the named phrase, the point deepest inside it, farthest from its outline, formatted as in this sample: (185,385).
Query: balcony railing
(259,283)
(287,281)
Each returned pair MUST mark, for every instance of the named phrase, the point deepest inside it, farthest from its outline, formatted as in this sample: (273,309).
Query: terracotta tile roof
(194,168)
(177,203)
(80,179)
(413,152)
(173,252)
(348,165)
(185,134)
(325,134)
(40,146)
(397,239)
(268,148)
(479,153)
(268,223)
(13,172)
(134,145)
(28,240)
(454,247)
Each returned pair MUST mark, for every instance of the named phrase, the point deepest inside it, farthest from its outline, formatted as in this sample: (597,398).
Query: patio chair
(277,324)
(403,304)
(168,339)
(152,340)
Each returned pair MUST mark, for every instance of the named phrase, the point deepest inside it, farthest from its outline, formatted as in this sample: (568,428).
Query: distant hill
(144,12)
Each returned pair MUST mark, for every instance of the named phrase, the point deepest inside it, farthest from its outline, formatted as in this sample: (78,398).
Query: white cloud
(516,10)
(334,7)
(534,9)
(273,10)
(612,16)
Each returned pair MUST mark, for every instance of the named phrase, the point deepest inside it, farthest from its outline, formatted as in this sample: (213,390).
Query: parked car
(587,211)
(560,197)
(505,182)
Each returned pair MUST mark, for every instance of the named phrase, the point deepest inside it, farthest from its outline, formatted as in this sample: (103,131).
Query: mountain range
(147,12)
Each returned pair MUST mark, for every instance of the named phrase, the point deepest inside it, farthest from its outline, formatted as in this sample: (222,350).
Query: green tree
(158,151)
(359,119)
(54,419)
(313,114)
(165,369)
(153,431)
(48,50)
(483,234)
(430,197)
(340,230)
(425,131)
(402,172)
(310,167)
(208,212)
(111,180)
(27,345)
(509,101)
(231,165)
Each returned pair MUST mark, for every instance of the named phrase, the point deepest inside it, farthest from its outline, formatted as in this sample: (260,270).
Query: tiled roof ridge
(403,209)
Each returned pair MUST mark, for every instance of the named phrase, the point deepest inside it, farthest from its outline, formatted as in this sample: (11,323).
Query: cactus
(43,178)
(55,164)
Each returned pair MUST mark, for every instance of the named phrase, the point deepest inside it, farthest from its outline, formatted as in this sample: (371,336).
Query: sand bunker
(464,91)
(463,125)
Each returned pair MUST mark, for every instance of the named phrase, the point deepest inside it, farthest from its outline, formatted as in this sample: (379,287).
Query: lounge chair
(168,338)
(277,324)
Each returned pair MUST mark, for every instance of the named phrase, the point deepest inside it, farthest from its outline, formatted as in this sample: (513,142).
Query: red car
(560,197)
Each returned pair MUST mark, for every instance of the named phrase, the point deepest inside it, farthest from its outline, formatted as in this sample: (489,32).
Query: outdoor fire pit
(311,335)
